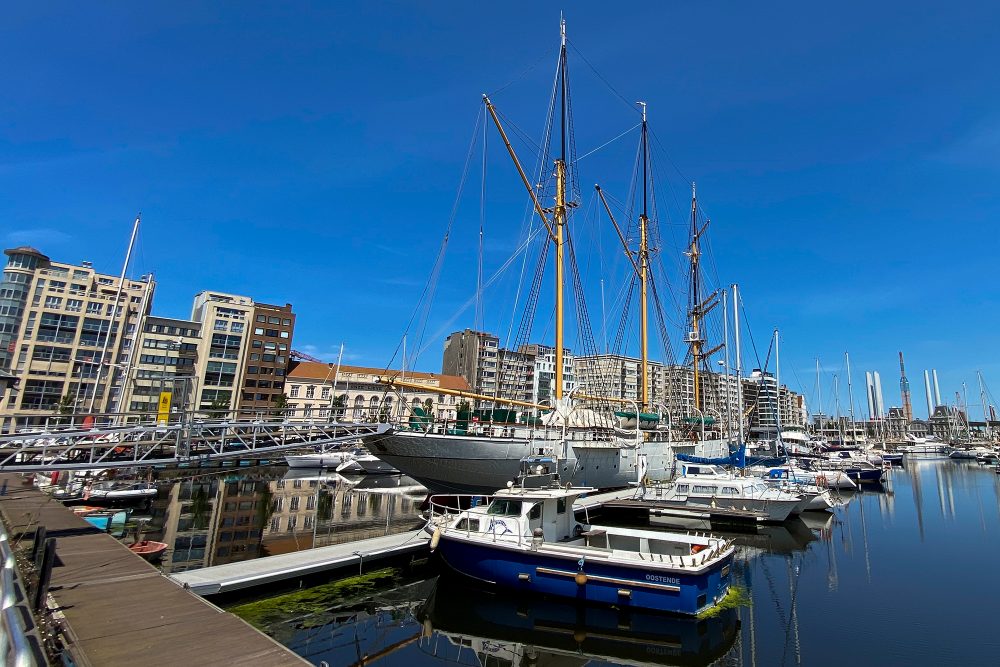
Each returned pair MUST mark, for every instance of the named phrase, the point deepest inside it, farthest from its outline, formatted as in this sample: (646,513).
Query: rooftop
(311,370)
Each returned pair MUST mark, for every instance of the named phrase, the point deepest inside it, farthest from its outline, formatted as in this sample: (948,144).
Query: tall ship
(595,440)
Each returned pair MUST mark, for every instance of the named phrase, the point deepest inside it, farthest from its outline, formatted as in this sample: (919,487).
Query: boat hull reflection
(529,630)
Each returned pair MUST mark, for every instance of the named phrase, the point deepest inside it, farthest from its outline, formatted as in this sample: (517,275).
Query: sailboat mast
(117,310)
(560,218)
(850,397)
(739,359)
(695,336)
(644,268)
(982,399)
(819,390)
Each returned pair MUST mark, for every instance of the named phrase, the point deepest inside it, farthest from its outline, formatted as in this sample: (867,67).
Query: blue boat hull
(606,583)
(866,475)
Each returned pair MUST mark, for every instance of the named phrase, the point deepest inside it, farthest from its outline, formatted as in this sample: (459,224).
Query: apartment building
(475,356)
(270,344)
(166,360)
(353,393)
(63,335)
(525,374)
(542,360)
(225,320)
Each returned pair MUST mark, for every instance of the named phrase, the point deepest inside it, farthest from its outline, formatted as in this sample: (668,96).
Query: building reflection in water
(238,515)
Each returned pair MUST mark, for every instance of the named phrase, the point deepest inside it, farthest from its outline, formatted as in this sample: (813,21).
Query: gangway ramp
(51,449)
(219,579)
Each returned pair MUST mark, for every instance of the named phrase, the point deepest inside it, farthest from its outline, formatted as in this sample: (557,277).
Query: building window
(293,506)
(258,331)
(325,394)
(294,391)
(261,318)
(291,523)
(53,302)
(273,320)
(286,322)
(74,305)
(311,391)
(236,327)
(284,334)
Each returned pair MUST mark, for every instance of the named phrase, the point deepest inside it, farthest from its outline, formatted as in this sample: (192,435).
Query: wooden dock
(230,577)
(117,608)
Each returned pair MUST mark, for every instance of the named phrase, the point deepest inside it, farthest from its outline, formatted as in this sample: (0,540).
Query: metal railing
(19,642)
(74,442)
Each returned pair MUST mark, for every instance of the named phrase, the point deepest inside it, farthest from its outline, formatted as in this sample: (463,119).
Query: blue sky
(311,152)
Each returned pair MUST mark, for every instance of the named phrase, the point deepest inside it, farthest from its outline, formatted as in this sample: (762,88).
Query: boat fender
(581,578)
(697,548)
(428,628)
(435,538)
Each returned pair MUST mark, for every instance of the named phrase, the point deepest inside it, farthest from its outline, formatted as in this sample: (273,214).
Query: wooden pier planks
(119,608)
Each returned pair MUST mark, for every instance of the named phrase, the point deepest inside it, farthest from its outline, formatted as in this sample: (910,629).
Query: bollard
(45,574)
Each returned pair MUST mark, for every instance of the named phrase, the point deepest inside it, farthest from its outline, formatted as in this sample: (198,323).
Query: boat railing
(443,511)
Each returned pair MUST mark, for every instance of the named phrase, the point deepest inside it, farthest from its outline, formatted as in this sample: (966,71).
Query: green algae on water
(738,596)
(264,613)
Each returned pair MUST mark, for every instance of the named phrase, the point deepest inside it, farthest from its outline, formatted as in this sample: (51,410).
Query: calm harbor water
(903,574)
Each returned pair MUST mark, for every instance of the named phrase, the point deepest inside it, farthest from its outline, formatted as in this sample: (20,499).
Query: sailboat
(588,447)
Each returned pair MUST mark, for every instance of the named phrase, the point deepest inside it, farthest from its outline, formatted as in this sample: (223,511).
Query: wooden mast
(644,273)
(560,217)
(694,338)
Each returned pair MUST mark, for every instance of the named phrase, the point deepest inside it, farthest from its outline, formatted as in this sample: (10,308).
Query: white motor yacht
(709,486)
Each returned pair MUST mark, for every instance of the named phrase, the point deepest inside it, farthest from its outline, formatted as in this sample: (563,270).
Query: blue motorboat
(527,539)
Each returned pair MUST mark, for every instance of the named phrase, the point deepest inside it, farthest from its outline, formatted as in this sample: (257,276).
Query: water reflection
(862,583)
(219,517)
(445,622)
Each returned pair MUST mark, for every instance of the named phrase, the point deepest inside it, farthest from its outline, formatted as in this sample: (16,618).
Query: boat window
(504,507)
(692,470)
(703,489)
(730,491)
(682,488)
(536,511)
(561,506)
(468,524)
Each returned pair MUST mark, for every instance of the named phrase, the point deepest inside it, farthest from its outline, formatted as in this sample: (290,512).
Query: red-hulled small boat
(149,549)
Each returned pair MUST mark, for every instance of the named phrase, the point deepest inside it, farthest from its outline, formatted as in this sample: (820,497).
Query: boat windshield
(505,507)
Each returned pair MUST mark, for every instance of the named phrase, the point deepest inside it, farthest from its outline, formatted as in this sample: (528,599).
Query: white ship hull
(470,464)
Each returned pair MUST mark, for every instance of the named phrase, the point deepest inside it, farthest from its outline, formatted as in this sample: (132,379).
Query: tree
(339,405)
(66,405)
(220,404)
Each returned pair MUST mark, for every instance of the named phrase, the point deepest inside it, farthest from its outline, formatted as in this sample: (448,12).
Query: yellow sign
(163,415)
